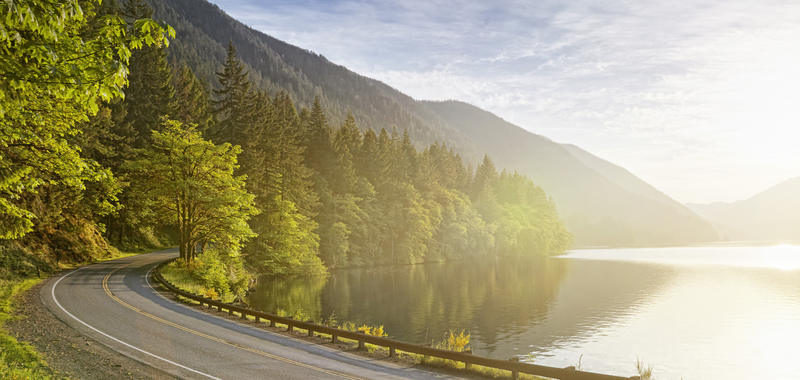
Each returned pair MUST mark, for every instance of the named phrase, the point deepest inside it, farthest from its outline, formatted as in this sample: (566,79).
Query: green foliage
(16,262)
(191,99)
(289,246)
(54,73)
(186,180)
(150,95)
(214,274)
(332,320)
(383,201)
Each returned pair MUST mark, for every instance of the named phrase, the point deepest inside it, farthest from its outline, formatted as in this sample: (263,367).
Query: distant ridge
(600,207)
(625,179)
(773,214)
(603,204)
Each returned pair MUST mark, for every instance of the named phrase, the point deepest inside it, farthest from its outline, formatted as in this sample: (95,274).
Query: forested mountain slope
(597,210)
(602,203)
(203,31)
(773,214)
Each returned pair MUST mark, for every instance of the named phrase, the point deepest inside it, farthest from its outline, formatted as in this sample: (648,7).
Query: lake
(717,312)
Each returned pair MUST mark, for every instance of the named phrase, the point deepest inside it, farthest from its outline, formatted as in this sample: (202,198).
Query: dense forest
(238,177)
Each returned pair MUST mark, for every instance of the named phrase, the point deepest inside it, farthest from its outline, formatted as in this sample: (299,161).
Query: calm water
(695,313)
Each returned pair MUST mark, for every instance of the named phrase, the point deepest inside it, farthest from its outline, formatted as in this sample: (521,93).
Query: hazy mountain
(773,214)
(600,206)
(625,179)
(602,203)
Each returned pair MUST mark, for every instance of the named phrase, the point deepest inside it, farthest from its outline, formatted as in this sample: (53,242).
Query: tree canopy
(190,182)
(55,71)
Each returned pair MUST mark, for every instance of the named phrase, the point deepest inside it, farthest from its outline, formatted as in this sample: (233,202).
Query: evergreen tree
(290,168)
(192,103)
(149,96)
(233,106)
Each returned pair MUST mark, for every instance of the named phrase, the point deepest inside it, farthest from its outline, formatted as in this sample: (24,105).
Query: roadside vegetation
(18,360)
(106,148)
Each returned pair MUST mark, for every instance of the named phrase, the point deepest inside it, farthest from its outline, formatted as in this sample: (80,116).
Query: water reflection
(492,299)
(696,312)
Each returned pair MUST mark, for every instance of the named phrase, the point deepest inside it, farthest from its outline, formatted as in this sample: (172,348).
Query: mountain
(603,204)
(600,206)
(625,179)
(203,32)
(773,214)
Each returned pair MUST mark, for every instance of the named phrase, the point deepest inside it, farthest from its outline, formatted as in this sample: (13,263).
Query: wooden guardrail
(513,365)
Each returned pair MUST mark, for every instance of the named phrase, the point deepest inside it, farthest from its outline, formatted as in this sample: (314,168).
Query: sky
(701,99)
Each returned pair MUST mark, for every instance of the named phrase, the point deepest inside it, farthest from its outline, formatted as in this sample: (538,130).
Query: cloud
(680,93)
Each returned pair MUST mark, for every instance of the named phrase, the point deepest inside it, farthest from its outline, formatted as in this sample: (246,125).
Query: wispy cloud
(698,98)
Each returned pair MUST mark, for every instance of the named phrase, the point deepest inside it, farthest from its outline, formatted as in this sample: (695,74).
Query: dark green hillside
(203,32)
(600,209)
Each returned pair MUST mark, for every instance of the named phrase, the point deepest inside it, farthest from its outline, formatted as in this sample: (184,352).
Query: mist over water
(693,312)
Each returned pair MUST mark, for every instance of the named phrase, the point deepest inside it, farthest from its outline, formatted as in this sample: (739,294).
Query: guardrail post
(310,331)
(514,374)
(244,315)
(258,319)
(334,338)
(361,341)
(392,352)
(289,326)
(271,323)
(467,364)
(230,311)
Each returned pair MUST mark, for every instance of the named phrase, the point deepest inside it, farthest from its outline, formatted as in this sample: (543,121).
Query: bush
(213,273)
(454,342)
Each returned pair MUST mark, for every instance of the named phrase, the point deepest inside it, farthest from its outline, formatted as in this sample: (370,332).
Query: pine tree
(233,107)
(294,175)
(192,103)
(149,96)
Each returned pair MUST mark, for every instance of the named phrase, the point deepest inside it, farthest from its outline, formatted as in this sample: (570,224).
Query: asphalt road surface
(114,304)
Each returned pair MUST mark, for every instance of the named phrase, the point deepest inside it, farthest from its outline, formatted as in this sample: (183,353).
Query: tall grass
(645,371)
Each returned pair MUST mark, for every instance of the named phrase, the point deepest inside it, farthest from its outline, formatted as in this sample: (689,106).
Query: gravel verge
(70,354)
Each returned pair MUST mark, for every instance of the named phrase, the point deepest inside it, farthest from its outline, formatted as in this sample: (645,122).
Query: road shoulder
(67,351)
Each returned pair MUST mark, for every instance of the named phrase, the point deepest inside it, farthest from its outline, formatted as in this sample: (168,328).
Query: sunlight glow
(786,257)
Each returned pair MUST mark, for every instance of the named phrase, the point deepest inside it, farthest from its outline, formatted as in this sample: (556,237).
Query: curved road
(114,304)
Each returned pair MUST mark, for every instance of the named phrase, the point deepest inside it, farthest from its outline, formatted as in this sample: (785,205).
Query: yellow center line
(177,326)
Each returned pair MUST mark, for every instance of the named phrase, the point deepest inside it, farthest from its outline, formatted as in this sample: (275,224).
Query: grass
(179,274)
(645,371)
(18,360)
